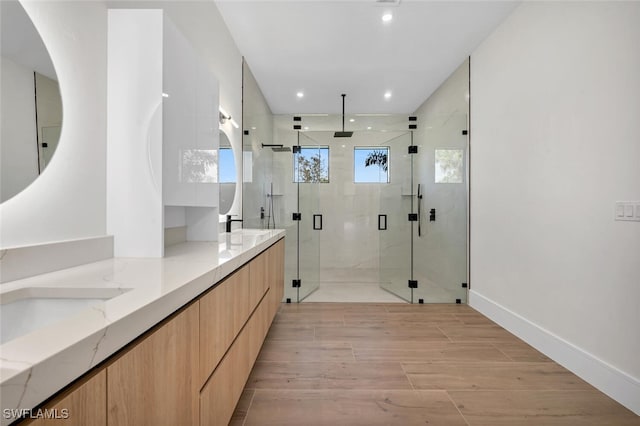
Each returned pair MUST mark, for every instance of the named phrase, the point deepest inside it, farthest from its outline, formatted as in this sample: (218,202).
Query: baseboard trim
(615,383)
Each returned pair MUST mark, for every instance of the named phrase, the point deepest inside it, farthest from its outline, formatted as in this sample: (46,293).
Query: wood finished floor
(377,364)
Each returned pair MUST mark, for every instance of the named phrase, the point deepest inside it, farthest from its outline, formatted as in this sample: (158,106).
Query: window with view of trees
(371,165)
(311,165)
(449,166)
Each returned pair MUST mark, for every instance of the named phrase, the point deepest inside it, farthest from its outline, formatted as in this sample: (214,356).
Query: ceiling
(325,48)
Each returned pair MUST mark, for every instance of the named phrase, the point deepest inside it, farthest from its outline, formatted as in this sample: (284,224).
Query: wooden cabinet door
(223,312)
(221,393)
(275,271)
(83,404)
(155,382)
(258,283)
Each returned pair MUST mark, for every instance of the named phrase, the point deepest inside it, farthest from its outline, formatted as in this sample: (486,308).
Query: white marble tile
(352,293)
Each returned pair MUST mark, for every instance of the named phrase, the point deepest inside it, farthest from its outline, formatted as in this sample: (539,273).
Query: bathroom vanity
(161,341)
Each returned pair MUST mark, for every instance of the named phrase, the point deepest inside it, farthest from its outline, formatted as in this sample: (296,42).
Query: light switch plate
(628,211)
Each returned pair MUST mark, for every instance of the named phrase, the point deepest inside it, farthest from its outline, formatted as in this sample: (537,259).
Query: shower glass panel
(394,228)
(310,170)
(440,248)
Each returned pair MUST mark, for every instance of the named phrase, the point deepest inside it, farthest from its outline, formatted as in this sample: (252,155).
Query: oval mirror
(31,107)
(227,173)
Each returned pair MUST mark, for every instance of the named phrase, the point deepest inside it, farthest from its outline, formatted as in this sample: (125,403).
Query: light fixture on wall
(224,117)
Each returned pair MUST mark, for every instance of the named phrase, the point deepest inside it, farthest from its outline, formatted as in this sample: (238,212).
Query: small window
(371,164)
(311,165)
(226,165)
(449,165)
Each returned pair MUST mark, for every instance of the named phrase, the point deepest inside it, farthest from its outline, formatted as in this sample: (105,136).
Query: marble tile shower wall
(348,248)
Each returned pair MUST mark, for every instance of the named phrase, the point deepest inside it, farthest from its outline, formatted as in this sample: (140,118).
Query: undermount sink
(28,309)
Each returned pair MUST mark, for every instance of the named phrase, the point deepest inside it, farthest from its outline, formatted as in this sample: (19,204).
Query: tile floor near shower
(398,364)
(352,293)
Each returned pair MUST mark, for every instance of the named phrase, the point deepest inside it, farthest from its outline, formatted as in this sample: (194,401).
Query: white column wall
(555,101)
(135,133)
(202,25)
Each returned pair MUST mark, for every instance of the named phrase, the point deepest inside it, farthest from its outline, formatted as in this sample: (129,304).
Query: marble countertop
(36,365)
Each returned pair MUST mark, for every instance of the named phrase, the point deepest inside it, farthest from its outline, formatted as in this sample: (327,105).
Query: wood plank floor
(376,364)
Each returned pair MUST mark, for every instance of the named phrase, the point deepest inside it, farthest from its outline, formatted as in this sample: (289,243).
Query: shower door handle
(382,222)
(317,222)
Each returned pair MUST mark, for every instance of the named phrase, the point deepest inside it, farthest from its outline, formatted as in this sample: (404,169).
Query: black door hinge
(413,217)
(413,149)
(296,283)
(296,216)
(413,284)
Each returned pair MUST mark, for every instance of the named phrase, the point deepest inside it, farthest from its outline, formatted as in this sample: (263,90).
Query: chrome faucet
(228,223)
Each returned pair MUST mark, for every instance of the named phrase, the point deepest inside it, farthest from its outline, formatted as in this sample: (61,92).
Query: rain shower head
(276,147)
(343,134)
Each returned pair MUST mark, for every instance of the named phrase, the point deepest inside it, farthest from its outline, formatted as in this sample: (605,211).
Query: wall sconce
(224,117)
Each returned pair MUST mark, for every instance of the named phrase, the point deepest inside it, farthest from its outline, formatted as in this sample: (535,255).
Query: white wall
(18,147)
(135,132)
(201,23)
(555,101)
(68,200)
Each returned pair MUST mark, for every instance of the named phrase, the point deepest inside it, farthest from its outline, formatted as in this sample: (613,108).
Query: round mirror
(31,108)
(227,173)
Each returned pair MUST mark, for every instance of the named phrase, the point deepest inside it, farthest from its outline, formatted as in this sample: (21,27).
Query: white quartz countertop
(36,365)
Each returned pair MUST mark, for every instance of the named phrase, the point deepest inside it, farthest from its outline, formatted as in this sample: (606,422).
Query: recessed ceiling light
(306,127)
(387,17)
(253,127)
(351,120)
(368,127)
(300,95)
(387,94)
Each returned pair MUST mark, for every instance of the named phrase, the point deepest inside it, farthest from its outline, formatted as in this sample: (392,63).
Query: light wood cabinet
(258,281)
(82,404)
(219,396)
(276,276)
(223,312)
(155,381)
(191,368)
(222,391)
